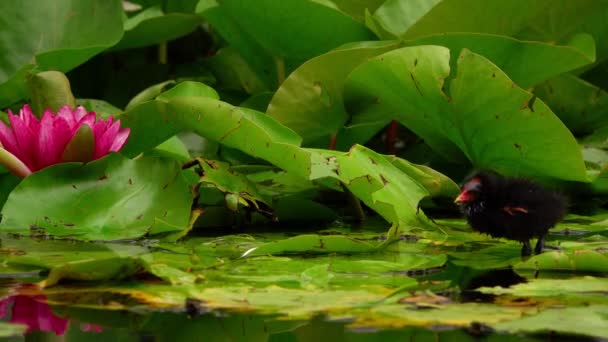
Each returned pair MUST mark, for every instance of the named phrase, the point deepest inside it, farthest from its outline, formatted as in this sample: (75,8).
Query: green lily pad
(109,199)
(573,261)
(552,287)
(593,321)
(312,243)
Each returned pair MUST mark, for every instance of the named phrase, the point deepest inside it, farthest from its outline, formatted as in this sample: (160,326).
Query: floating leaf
(552,287)
(574,261)
(108,199)
(312,243)
(592,321)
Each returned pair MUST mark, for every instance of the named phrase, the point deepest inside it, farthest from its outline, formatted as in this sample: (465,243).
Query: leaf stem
(355,205)
(391,137)
(332,142)
(162,53)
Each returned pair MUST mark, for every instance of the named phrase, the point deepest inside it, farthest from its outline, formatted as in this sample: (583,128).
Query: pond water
(445,285)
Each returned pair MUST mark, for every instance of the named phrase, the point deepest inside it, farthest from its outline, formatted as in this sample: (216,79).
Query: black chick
(513,208)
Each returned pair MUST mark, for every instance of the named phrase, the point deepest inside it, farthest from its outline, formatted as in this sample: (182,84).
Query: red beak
(464,197)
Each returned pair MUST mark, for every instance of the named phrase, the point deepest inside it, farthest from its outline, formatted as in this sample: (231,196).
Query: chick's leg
(540,245)
(526,249)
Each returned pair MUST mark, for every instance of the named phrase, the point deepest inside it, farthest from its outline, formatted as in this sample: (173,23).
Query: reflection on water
(221,326)
(418,289)
(28,305)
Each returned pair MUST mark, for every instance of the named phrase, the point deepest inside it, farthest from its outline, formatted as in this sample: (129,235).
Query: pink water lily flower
(30,144)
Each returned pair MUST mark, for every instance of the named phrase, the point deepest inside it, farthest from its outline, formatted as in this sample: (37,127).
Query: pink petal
(26,140)
(52,140)
(66,113)
(7,138)
(104,141)
(29,118)
(121,139)
(99,128)
(88,119)
(79,113)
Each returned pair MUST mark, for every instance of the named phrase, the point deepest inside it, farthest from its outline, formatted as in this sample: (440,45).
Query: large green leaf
(434,182)
(556,23)
(370,176)
(478,112)
(543,20)
(57,35)
(429,17)
(287,24)
(527,63)
(408,84)
(233,72)
(394,17)
(247,130)
(153,26)
(292,32)
(381,185)
(310,100)
(108,199)
(582,106)
(357,8)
